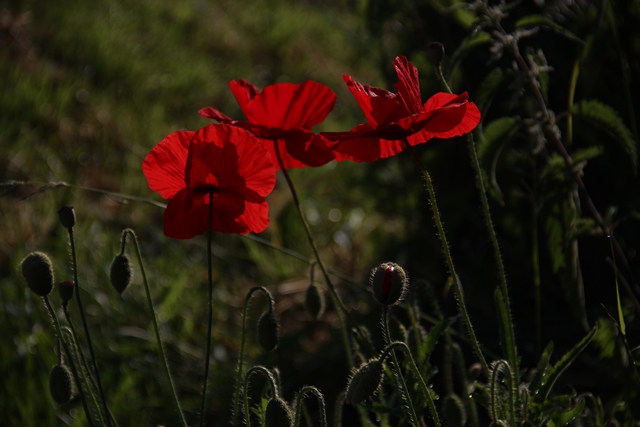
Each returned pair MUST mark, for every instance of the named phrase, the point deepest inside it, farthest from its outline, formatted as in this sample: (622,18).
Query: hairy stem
(210,307)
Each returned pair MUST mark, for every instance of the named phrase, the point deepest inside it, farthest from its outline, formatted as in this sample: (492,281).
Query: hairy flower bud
(65,290)
(435,53)
(278,414)
(314,301)
(364,382)
(37,270)
(121,273)
(268,331)
(61,384)
(67,216)
(453,411)
(388,282)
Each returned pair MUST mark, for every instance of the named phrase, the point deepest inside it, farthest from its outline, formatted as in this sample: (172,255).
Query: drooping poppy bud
(268,328)
(67,216)
(65,290)
(121,273)
(278,414)
(61,384)
(314,301)
(388,282)
(435,53)
(37,270)
(364,382)
(454,412)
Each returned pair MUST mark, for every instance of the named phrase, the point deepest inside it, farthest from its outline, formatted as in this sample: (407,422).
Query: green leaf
(605,117)
(542,21)
(558,368)
(489,87)
(472,42)
(506,331)
(430,341)
(541,369)
(564,418)
(492,140)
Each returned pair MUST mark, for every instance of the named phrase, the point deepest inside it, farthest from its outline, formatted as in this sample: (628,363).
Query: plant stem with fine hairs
(210,305)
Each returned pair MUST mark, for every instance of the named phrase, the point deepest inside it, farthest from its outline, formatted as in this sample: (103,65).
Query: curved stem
(236,400)
(416,372)
(86,328)
(210,306)
(318,395)
(447,253)
(398,371)
(74,369)
(272,382)
(154,317)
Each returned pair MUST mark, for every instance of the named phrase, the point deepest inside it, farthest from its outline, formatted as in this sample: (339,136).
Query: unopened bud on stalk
(388,282)
(121,273)
(454,412)
(435,53)
(278,414)
(314,301)
(364,382)
(61,384)
(268,331)
(37,270)
(67,216)
(65,290)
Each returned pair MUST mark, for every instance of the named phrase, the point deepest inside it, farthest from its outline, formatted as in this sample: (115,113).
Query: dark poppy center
(205,189)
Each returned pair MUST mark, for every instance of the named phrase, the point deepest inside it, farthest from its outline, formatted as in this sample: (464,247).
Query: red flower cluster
(396,117)
(283,114)
(232,164)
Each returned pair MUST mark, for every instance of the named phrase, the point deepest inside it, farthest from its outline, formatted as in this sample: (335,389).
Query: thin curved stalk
(86,328)
(397,371)
(318,395)
(272,382)
(447,253)
(154,317)
(236,400)
(210,306)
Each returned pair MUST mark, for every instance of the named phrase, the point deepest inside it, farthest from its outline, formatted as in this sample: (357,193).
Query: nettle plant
(216,179)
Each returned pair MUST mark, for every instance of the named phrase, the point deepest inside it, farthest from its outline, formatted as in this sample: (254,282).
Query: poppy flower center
(205,189)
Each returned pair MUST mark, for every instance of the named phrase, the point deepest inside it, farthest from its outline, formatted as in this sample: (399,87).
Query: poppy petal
(243,91)
(212,113)
(164,166)
(409,86)
(300,151)
(379,106)
(187,215)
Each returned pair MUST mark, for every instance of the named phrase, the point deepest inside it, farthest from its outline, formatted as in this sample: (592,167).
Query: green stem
(535,262)
(416,372)
(318,395)
(83,363)
(236,401)
(154,317)
(74,369)
(86,328)
(508,326)
(397,370)
(447,253)
(272,382)
(210,306)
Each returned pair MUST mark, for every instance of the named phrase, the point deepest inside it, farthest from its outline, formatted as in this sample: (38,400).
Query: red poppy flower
(395,117)
(284,112)
(230,162)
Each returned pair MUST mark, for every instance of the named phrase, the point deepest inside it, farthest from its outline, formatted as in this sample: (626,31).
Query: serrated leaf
(472,42)
(558,368)
(492,140)
(605,117)
(563,418)
(541,369)
(587,153)
(542,21)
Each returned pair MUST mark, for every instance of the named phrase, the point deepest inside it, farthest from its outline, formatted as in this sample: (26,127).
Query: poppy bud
(65,290)
(61,384)
(454,413)
(364,382)
(314,301)
(389,282)
(278,414)
(268,331)
(67,216)
(121,273)
(435,53)
(38,272)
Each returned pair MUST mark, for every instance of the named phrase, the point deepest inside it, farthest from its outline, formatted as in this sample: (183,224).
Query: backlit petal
(164,166)
(243,91)
(409,86)
(379,106)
